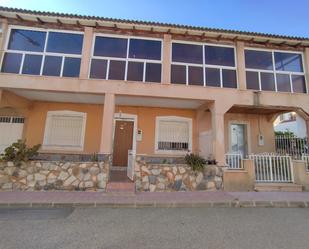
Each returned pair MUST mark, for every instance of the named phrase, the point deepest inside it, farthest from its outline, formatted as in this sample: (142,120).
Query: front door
(239,139)
(123,142)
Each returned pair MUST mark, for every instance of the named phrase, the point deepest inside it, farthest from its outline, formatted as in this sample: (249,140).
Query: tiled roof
(148,23)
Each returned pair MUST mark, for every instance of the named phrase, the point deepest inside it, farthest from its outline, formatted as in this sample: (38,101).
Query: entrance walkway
(170,199)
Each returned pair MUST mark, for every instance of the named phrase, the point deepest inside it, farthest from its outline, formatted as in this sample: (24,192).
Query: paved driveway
(212,228)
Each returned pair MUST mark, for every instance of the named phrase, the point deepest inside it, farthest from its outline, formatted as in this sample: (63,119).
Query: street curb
(154,204)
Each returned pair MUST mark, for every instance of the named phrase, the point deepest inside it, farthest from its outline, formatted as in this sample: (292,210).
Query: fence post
(292,169)
(271,168)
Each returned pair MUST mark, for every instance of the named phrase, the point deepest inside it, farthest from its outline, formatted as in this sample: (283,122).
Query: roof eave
(141,25)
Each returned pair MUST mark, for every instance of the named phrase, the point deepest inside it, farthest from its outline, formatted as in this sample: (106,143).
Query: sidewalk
(142,199)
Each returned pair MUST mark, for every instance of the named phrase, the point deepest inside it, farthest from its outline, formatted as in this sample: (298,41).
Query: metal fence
(234,160)
(272,168)
(291,145)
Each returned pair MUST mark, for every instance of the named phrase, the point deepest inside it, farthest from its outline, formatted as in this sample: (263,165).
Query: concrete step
(120,187)
(275,187)
(118,176)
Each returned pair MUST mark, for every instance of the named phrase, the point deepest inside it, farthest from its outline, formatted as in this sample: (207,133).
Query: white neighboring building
(291,122)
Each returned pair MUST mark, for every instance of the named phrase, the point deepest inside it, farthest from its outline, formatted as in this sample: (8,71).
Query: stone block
(30,177)
(146,170)
(4,179)
(67,165)
(211,185)
(152,187)
(102,177)
(152,179)
(199,177)
(182,170)
(32,169)
(39,177)
(170,176)
(7,186)
(89,184)
(145,179)
(63,175)
(177,185)
(156,172)
(146,186)
(69,181)
(10,164)
(23,181)
(178,177)
(94,170)
(9,170)
(31,184)
(174,170)
(161,186)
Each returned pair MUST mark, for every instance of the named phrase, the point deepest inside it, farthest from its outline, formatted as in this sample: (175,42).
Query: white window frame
(175,119)
(127,59)
(44,53)
(49,116)
(275,72)
(204,65)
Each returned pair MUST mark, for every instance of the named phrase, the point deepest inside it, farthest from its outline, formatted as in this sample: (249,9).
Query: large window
(275,71)
(36,52)
(173,134)
(203,65)
(131,59)
(64,130)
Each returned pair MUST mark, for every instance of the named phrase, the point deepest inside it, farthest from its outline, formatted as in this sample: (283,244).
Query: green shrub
(19,152)
(196,162)
(285,133)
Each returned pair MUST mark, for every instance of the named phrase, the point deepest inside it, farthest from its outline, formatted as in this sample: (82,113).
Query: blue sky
(288,17)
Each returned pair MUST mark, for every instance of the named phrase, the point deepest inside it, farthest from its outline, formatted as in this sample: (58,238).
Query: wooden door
(123,142)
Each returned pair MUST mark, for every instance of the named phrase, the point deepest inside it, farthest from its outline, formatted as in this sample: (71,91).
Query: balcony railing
(234,160)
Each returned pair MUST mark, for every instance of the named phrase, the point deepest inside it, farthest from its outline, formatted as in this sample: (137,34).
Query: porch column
(166,60)
(86,53)
(218,137)
(241,72)
(306,60)
(106,145)
(218,110)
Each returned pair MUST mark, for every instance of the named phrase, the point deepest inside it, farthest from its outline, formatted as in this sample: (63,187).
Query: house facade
(116,90)
(291,122)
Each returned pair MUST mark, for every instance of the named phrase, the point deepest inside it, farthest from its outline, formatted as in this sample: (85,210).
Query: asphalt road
(212,228)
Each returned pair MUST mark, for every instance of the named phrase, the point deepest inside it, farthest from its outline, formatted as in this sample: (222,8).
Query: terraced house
(123,101)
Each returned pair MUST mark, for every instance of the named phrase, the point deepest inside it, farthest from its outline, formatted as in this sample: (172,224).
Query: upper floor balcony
(52,49)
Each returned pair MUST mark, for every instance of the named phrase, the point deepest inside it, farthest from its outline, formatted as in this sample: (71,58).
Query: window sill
(172,152)
(61,148)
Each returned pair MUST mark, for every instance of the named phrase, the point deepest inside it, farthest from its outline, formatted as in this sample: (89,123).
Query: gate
(272,168)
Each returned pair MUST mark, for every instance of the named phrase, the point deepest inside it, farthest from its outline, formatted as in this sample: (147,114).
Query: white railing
(234,160)
(305,158)
(291,145)
(272,168)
